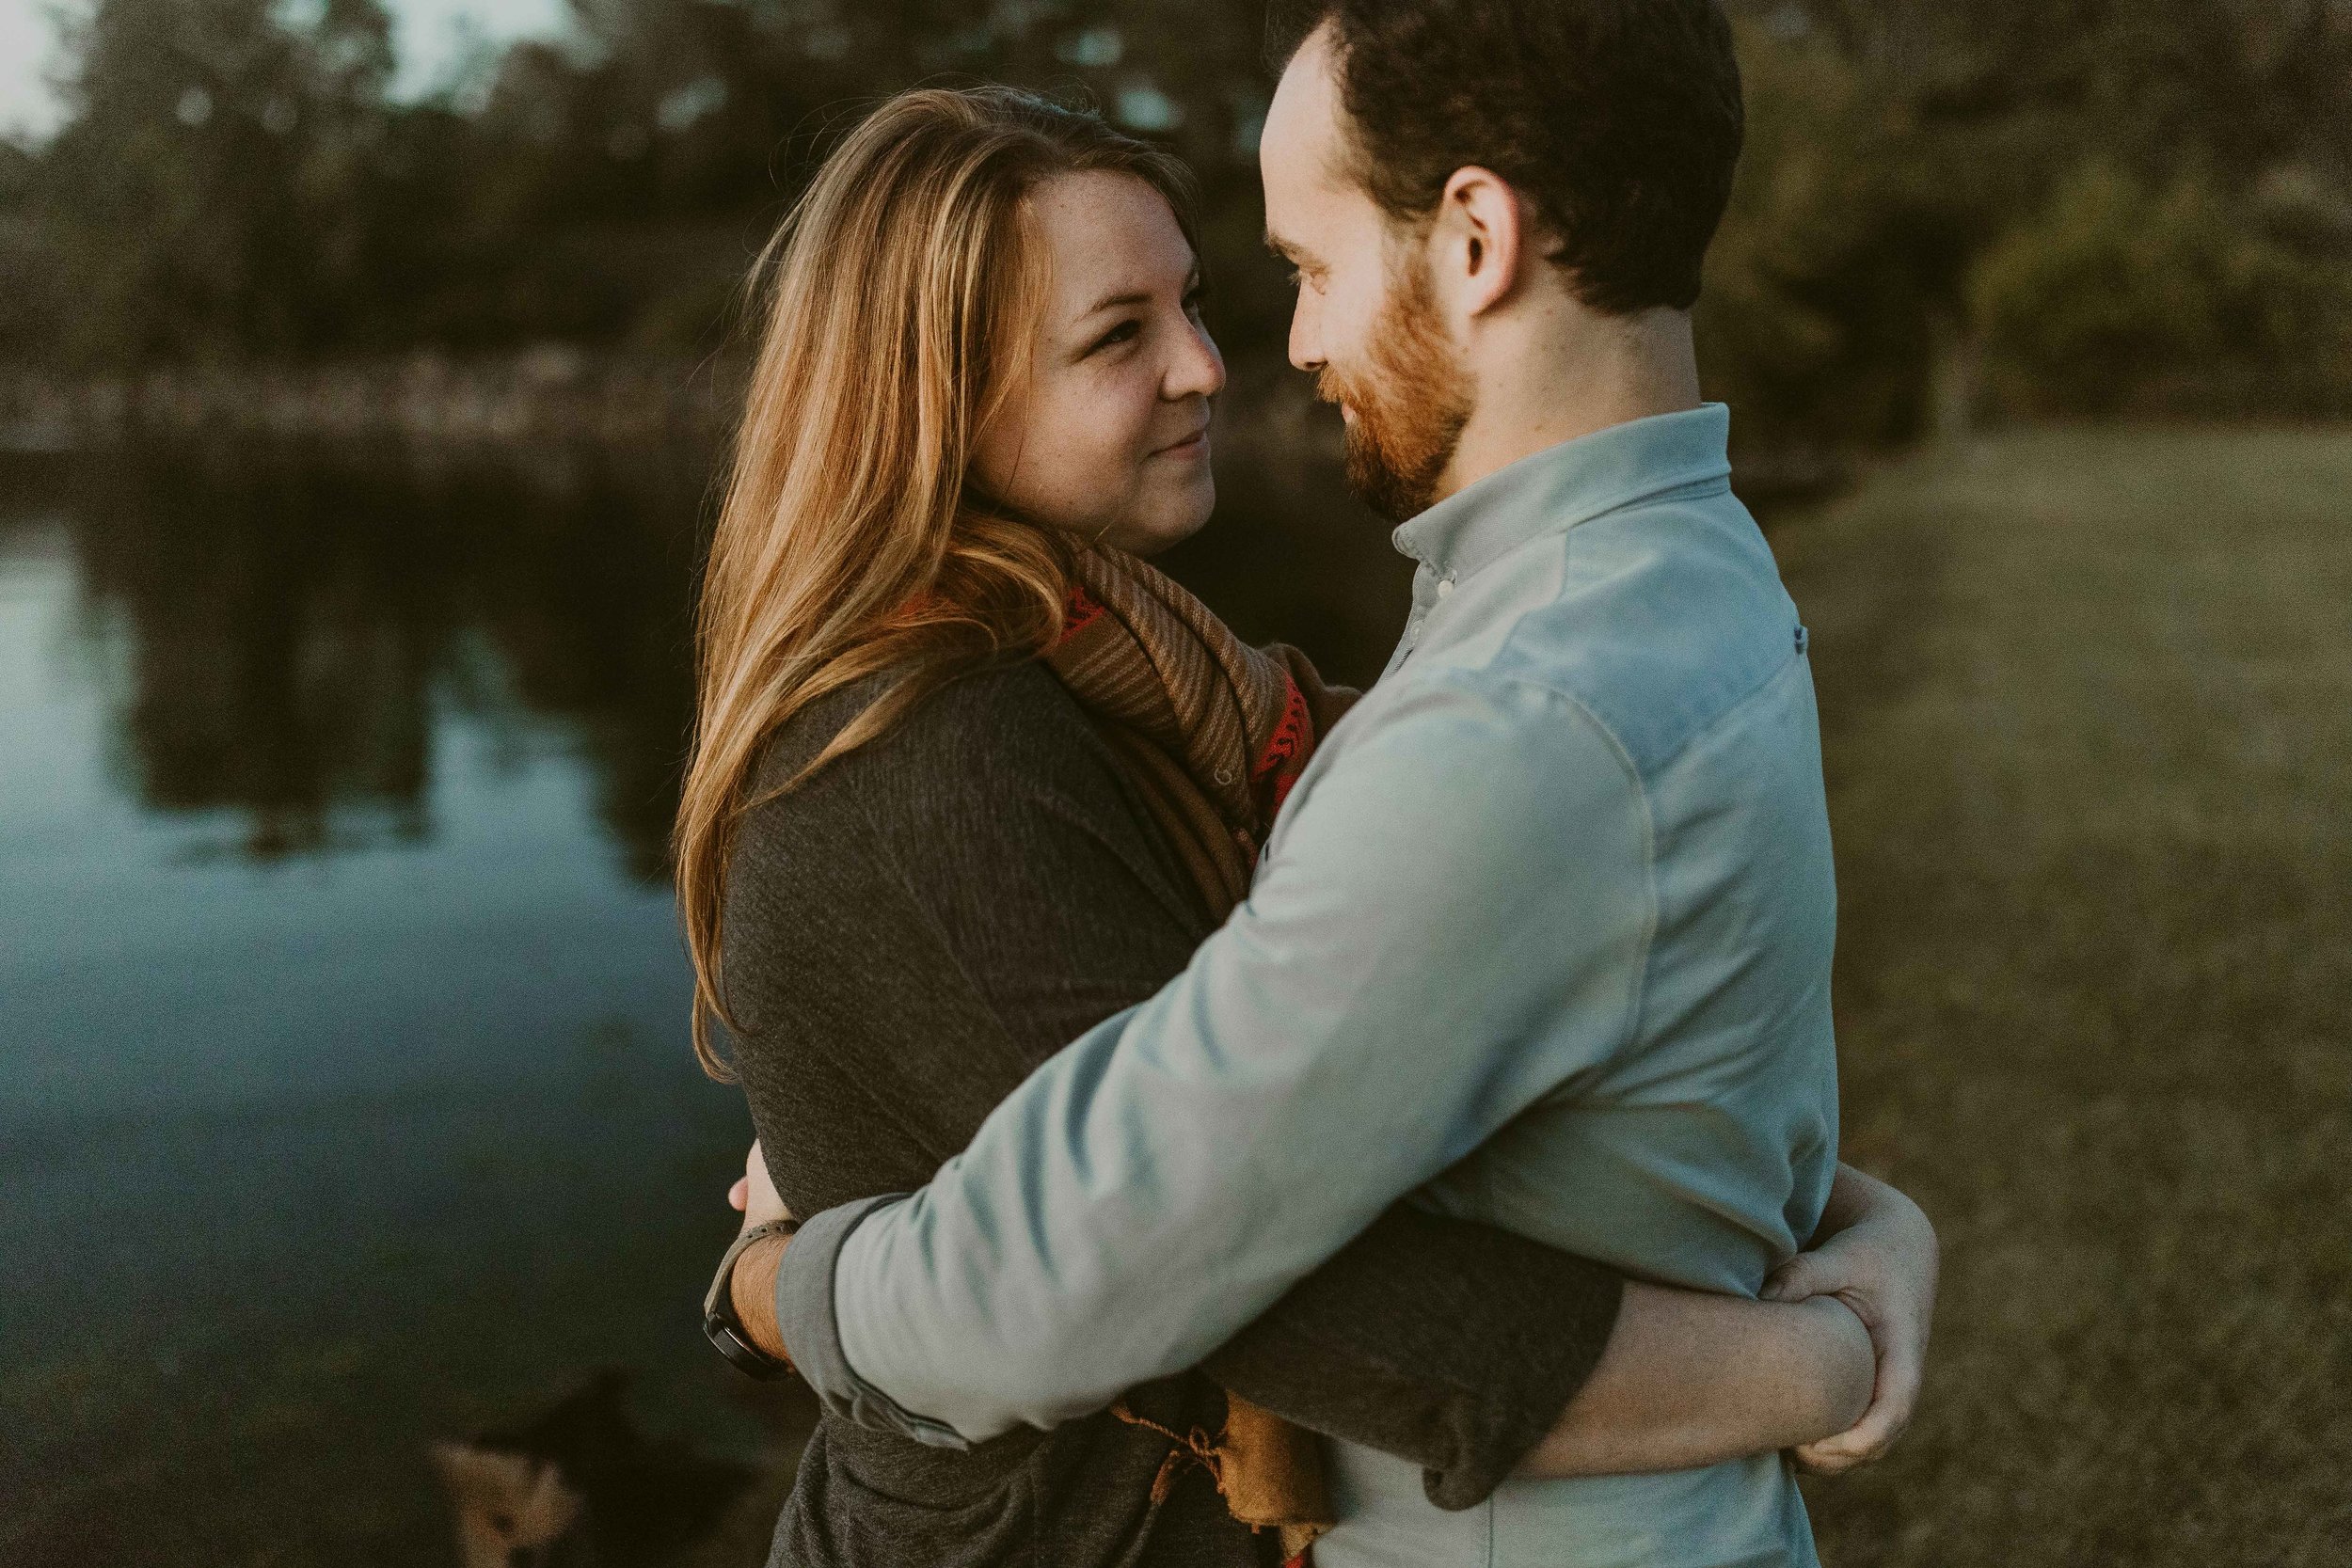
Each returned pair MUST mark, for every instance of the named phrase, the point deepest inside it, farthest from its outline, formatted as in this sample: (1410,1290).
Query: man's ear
(1479,240)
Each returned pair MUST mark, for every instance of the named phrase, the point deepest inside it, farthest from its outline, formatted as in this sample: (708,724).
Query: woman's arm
(1692,1378)
(1495,1330)
(1449,1344)
(1828,1364)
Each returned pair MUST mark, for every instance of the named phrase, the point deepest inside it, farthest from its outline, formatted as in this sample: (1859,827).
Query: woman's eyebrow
(1110,302)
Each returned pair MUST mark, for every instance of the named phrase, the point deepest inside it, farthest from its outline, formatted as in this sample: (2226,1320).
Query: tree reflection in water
(422,1114)
(290,621)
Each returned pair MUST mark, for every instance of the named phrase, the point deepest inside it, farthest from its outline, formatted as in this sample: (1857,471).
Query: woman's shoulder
(1002,727)
(995,789)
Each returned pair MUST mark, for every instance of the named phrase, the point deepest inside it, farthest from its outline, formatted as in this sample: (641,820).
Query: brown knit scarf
(1213,733)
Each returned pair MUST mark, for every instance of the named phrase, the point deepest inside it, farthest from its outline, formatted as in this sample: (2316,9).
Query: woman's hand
(755,1191)
(752,1288)
(1876,1252)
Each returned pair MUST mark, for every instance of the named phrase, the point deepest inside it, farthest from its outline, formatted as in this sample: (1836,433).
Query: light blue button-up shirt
(1542,936)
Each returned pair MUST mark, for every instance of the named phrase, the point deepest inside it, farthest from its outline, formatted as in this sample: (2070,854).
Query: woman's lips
(1191,445)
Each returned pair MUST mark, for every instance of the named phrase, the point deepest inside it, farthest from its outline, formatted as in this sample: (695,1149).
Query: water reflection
(288,621)
(344,1094)
(344,1097)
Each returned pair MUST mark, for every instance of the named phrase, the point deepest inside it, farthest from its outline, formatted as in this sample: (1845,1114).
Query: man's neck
(1568,373)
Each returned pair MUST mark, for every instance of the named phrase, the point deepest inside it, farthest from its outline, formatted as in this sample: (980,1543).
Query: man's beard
(1410,401)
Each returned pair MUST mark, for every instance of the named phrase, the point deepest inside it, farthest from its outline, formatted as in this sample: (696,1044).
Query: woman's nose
(1199,370)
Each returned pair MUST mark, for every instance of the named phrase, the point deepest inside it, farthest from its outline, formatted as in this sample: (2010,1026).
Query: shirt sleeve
(1449,1344)
(1449,924)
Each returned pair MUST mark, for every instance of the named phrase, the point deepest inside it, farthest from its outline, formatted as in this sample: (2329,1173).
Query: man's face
(1367,320)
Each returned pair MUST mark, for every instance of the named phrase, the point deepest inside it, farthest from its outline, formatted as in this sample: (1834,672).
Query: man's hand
(753,1288)
(1876,1252)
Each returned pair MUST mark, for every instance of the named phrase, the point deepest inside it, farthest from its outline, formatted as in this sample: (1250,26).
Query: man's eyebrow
(1297,255)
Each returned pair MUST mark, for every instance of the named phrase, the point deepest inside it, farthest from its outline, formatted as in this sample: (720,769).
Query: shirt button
(1445,586)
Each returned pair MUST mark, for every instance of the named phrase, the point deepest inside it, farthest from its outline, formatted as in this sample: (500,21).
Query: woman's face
(1107,433)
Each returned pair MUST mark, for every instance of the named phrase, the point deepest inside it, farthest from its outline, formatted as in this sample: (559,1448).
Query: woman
(969,778)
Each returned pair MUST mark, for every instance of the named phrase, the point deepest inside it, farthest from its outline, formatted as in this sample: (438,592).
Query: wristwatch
(719,1323)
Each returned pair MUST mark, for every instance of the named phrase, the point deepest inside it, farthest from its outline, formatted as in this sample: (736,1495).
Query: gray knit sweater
(908,935)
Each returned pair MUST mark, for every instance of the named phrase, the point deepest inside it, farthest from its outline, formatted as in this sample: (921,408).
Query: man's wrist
(751,1289)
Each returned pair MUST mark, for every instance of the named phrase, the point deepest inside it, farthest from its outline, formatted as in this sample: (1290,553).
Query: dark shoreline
(554,395)
(549,393)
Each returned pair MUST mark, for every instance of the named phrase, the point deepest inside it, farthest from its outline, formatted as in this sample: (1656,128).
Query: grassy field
(2088,718)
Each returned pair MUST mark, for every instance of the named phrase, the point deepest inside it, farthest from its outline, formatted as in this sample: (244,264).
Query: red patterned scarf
(1213,733)
(1215,730)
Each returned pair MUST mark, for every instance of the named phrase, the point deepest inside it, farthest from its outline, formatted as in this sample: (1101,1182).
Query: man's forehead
(1301,151)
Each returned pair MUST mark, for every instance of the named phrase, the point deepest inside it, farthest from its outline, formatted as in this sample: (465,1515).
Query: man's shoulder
(1455,754)
(1658,623)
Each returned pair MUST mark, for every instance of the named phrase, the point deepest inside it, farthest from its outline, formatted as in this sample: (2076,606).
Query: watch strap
(720,1324)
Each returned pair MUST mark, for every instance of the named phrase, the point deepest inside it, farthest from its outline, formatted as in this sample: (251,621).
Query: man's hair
(1619,121)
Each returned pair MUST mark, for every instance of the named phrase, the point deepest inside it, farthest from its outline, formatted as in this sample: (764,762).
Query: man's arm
(1448,924)
(1687,1379)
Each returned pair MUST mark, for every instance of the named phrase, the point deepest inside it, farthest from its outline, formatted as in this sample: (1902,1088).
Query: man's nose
(1306,342)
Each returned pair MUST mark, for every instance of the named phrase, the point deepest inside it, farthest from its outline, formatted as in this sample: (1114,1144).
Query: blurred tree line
(1955,207)
(1948,207)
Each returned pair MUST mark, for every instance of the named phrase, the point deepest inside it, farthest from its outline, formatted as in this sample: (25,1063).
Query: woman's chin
(1151,535)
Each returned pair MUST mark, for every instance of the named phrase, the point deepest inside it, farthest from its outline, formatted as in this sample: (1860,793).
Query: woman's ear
(1480,234)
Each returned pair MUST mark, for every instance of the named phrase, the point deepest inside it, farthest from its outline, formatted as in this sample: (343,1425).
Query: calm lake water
(346,1098)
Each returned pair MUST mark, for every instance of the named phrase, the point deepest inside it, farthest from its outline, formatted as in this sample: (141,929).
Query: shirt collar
(1556,490)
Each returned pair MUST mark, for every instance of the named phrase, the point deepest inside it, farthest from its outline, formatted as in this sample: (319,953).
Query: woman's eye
(1124,332)
(1194,301)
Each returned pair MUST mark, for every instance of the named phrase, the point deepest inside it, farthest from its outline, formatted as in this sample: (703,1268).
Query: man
(1576,833)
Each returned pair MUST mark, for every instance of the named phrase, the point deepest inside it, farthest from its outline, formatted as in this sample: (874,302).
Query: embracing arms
(1446,1364)
(1444,929)
(1682,1378)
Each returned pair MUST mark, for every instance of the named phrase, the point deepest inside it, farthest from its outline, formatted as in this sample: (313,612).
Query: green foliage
(2109,202)
(2119,293)
(211,196)
(2106,203)
(234,180)
(1831,259)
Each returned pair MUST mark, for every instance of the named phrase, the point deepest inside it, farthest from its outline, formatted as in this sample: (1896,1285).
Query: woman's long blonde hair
(899,299)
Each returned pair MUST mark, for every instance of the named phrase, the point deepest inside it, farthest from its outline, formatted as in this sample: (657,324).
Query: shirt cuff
(809,1319)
